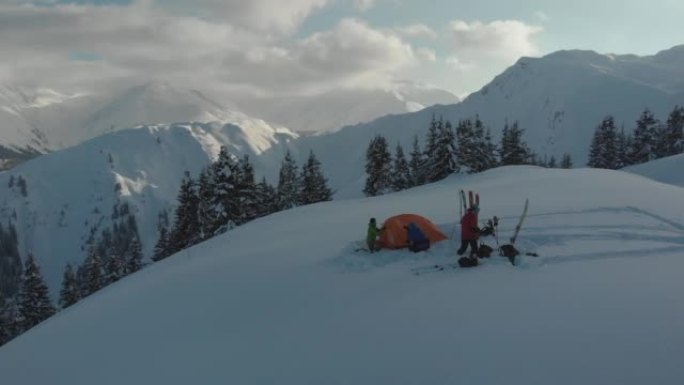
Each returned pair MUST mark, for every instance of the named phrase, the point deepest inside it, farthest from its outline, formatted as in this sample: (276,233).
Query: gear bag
(467,262)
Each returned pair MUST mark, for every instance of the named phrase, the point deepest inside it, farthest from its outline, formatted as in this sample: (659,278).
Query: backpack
(484,251)
(467,262)
(508,251)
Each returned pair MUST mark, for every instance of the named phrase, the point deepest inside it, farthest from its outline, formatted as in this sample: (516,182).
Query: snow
(283,299)
(663,170)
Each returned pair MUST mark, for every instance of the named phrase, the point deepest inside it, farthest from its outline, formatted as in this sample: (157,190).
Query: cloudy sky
(275,47)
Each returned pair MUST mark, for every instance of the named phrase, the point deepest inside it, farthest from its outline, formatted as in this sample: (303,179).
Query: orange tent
(394,236)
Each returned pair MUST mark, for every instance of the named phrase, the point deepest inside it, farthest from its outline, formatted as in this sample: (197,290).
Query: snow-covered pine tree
(401,174)
(553,163)
(9,316)
(93,274)
(266,202)
(513,150)
(566,161)
(378,168)
(134,257)
(624,152)
(186,227)
(467,156)
(114,266)
(206,209)
(674,133)
(245,198)
(10,261)
(289,185)
(314,183)
(645,138)
(161,248)
(442,162)
(605,149)
(417,164)
(224,171)
(34,298)
(70,293)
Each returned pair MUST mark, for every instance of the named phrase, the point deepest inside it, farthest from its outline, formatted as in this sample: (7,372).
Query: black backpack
(484,251)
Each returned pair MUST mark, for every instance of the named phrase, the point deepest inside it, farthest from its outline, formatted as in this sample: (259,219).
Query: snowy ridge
(662,170)
(284,299)
(69,192)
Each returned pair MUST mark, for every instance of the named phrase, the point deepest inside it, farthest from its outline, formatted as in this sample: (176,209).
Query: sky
(286,47)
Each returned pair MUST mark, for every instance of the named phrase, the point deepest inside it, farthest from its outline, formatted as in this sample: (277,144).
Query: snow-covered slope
(70,192)
(332,110)
(666,170)
(558,99)
(284,299)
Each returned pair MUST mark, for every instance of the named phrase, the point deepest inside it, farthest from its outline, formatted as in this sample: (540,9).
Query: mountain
(285,299)
(71,195)
(41,120)
(332,110)
(558,99)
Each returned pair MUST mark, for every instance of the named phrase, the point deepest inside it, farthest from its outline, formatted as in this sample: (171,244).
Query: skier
(417,241)
(469,231)
(372,236)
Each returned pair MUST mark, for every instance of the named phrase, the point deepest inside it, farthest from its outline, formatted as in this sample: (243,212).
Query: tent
(394,236)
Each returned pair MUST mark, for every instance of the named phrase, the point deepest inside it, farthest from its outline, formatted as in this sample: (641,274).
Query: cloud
(364,5)
(85,46)
(417,30)
(426,54)
(262,15)
(542,16)
(503,39)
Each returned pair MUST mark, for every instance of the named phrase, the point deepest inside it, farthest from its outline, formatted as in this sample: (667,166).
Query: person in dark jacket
(470,233)
(417,241)
(372,236)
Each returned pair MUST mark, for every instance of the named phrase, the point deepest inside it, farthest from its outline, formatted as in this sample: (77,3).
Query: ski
(470,199)
(520,222)
(465,204)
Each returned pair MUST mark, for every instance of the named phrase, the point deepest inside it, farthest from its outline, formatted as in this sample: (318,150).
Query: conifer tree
(624,152)
(134,258)
(604,151)
(401,174)
(566,162)
(34,298)
(378,168)
(266,199)
(70,293)
(225,173)
(9,317)
(417,165)
(245,195)
(431,143)
(442,162)
(186,227)
(513,150)
(207,214)
(113,269)
(161,248)
(289,184)
(552,162)
(10,261)
(645,138)
(314,184)
(93,276)
(673,138)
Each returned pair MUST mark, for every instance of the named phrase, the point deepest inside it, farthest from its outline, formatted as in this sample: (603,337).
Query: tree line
(467,148)
(226,194)
(649,139)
